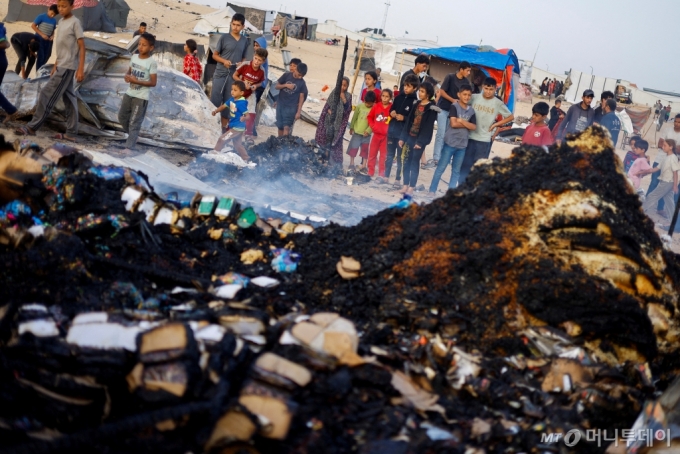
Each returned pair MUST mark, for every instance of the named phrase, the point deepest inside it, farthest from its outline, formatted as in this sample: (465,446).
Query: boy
(44,26)
(401,108)
(422,64)
(610,121)
(294,62)
(141,75)
(668,183)
(360,130)
(448,94)
(379,120)
(640,167)
(4,103)
(252,75)
(230,50)
(462,119)
(556,113)
(70,62)
(141,30)
(579,116)
(487,107)
(293,93)
(632,155)
(537,133)
(26,46)
(237,108)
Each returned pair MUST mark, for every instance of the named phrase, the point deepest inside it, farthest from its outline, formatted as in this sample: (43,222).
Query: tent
(502,65)
(220,22)
(91,13)
(118,11)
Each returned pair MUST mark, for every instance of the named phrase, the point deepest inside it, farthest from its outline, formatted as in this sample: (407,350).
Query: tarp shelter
(118,11)
(220,22)
(502,65)
(297,27)
(262,19)
(91,13)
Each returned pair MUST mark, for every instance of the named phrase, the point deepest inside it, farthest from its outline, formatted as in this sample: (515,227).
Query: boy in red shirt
(252,75)
(538,133)
(379,121)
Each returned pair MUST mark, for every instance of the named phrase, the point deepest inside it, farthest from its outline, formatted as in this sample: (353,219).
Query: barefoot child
(379,120)
(252,75)
(360,131)
(538,133)
(70,62)
(238,110)
(192,67)
(416,135)
(141,75)
(668,182)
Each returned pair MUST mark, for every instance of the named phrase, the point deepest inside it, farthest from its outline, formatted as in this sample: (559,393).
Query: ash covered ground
(534,299)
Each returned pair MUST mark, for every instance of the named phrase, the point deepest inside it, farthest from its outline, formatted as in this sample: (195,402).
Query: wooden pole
(356,70)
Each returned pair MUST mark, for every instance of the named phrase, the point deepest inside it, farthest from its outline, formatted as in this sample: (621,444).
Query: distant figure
(551,88)
(537,133)
(395,91)
(142,76)
(610,120)
(555,114)
(657,109)
(579,116)
(26,46)
(293,93)
(544,86)
(44,26)
(140,30)
(378,83)
(599,110)
(192,67)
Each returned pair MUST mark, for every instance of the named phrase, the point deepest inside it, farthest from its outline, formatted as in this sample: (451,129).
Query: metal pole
(356,70)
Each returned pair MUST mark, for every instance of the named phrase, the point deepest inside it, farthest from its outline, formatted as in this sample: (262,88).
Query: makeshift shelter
(262,19)
(219,22)
(486,61)
(297,27)
(118,11)
(91,13)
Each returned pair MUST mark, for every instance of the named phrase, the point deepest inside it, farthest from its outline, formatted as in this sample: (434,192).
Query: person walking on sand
(70,62)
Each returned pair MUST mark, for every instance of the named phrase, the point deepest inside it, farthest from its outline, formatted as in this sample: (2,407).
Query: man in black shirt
(26,47)
(419,70)
(599,113)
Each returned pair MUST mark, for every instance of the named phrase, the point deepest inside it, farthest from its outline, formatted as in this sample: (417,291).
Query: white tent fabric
(219,22)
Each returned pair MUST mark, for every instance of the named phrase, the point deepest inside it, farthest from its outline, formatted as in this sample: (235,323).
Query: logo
(570,439)
(537,134)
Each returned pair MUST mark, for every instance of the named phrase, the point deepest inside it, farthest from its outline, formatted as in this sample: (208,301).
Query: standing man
(419,70)
(448,94)
(26,47)
(610,120)
(487,108)
(4,103)
(599,111)
(578,118)
(229,52)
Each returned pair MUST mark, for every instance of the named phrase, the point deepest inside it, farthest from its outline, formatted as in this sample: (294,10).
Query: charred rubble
(534,299)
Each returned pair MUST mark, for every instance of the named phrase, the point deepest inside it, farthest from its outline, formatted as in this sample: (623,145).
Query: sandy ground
(174,21)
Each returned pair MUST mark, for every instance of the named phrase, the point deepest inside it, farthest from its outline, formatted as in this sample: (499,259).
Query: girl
(192,67)
(417,134)
(332,127)
(378,120)
(668,183)
(370,79)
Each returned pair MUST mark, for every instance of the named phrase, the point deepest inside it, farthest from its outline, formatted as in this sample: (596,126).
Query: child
(416,135)
(238,108)
(668,183)
(360,130)
(537,133)
(395,91)
(462,120)
(293,93)
(294,62)
(44,26)
(252,75)
(70,62)
(5,105)
(640,167)
(401,108)
(26,46)
(141,75)
(556,113)
(631,156)
(379,120)
(192,67)
(370,79)
(141,30)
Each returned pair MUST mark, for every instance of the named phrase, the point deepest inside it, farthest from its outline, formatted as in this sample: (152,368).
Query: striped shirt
(45,24)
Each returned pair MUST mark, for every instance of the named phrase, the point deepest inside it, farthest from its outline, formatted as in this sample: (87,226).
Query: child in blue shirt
(44,26)
(238,113)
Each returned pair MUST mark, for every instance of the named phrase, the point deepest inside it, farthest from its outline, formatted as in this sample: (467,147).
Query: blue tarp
(486,58)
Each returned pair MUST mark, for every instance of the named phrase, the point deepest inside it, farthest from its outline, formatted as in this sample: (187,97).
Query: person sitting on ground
(44,26)
(361,132)
(556,113)
(140,30)
(462,120)
(237,107)
(26,46)
(416,135)
(538,133)
(640,167)
(668,184)
(370,79)
(631,155)
(252,74)
(579,116)
(192,67)
(599,110)
(142,76)
(610,121)
(292,95)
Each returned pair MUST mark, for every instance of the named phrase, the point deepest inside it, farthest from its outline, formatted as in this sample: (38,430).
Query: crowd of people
(551,87)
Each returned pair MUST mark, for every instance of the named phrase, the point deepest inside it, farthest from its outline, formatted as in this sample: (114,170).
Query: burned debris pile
(534,300)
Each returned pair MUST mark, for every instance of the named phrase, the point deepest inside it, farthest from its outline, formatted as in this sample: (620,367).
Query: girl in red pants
(379,120)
